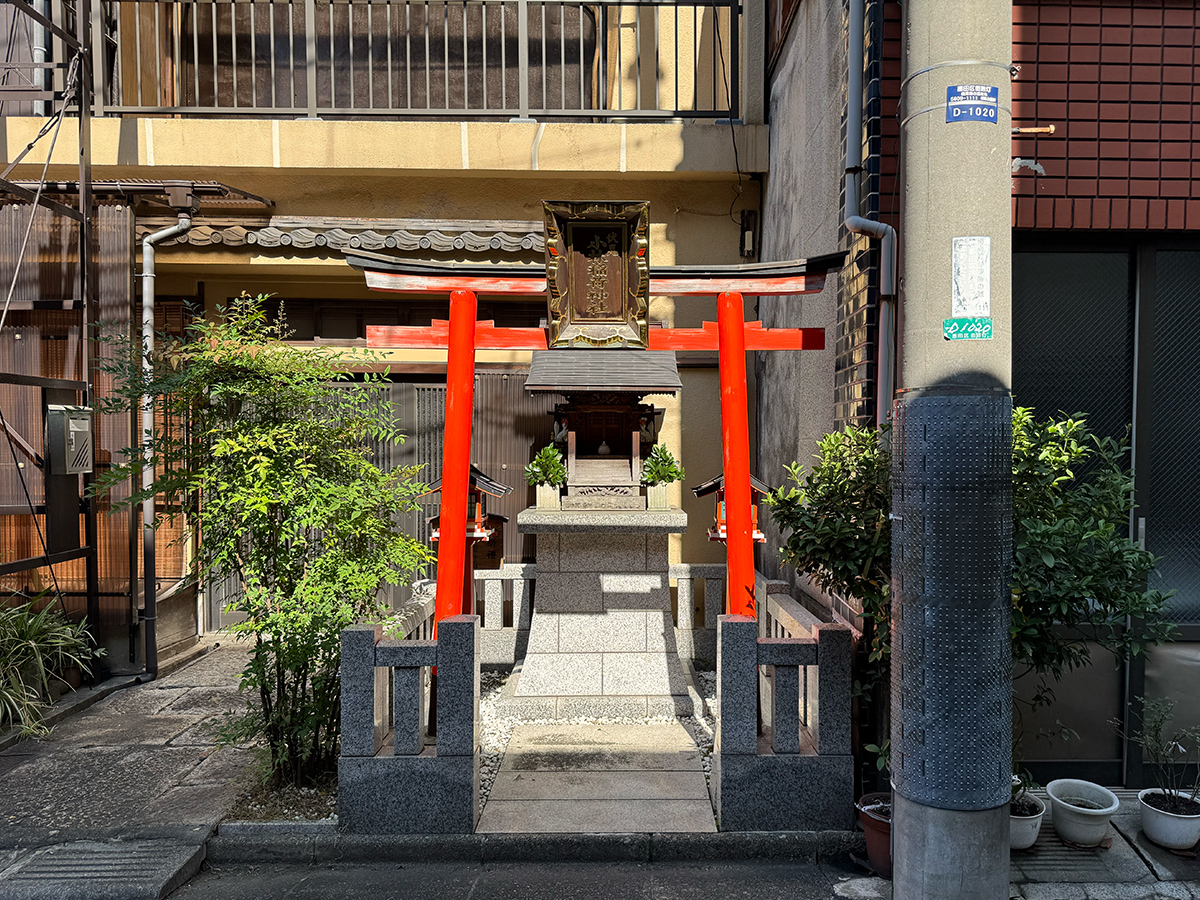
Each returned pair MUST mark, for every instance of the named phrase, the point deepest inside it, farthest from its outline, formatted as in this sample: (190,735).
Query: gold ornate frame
(597,273)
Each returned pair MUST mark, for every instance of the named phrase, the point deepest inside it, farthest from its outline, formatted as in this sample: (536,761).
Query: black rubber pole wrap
(952,553)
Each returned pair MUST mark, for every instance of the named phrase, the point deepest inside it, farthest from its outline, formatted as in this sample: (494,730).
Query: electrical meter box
(69,440)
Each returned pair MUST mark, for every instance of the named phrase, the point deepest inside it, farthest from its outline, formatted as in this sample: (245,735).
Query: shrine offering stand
(602,637)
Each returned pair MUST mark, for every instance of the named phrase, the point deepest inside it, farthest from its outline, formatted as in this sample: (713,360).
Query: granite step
(599,779)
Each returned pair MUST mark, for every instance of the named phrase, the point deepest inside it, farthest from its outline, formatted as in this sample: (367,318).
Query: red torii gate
(731,336)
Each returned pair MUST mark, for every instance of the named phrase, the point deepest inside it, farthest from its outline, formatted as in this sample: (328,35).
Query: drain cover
(98,871)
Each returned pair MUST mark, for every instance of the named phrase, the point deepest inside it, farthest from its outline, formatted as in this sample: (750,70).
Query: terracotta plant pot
(1081,810)
(1023,830)
(875,814)
(1174,831)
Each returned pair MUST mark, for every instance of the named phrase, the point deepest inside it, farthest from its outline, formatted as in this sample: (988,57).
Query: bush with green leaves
(274,461)
(661,467)
(1077,577)
(38,644)
(548,468)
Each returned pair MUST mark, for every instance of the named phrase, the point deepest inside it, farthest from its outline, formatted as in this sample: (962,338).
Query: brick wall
(1118,81)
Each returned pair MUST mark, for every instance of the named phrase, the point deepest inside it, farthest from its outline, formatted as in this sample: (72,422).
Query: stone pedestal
(602,638)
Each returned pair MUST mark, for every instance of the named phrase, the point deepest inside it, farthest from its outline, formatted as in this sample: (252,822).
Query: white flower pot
(1170,830)
(657,496)
(548,497)
(1073,820)
(1023,830)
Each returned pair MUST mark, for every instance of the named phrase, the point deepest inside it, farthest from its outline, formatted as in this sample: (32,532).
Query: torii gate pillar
(735,449)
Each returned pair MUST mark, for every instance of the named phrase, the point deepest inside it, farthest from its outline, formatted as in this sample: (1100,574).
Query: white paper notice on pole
(971,272)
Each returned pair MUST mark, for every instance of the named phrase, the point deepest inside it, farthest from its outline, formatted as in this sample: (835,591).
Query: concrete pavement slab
(1165,864)
(601,779)
(634,785)
(595,816)
(521,881)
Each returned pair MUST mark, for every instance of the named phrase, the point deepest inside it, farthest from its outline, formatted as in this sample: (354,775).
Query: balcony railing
(423,59)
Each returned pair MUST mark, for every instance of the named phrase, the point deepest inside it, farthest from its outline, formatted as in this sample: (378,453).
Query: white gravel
(496,729)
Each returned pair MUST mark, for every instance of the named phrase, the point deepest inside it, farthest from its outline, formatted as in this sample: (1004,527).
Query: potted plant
(1025,813)
(38,650)
(1170,811)
(1081,810)
(658,471)
(875,816)
(547,473)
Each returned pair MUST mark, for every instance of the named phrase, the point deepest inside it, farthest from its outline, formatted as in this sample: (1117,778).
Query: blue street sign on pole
(972,103)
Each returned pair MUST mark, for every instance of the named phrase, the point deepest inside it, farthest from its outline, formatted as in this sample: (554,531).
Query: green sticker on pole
(973,328)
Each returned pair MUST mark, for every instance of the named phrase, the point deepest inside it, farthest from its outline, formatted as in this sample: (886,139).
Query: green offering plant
(661,467)
(273,457)
(37,647)
(548,467)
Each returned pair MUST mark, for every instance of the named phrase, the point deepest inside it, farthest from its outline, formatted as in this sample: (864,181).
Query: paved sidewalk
(120,799)
(600,779)
(123,801)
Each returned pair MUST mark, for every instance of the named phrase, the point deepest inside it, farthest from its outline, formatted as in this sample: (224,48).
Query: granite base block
(614,631)
(543,633)
(424,794)
(561,675)
(660,632)
(783,793)
(630,590)
(698,645)
(601,707)
(538,521)
(631,674)
(502,647)
(688,704)
(568,592)
(527,707)
(601,552)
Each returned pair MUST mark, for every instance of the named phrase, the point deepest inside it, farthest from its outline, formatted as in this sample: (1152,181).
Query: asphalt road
(533,881)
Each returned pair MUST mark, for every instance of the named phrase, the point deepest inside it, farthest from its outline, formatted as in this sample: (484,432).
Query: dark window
(1073,336)
(1173,518)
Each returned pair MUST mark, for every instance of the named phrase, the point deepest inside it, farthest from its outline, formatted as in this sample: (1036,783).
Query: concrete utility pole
(951,470)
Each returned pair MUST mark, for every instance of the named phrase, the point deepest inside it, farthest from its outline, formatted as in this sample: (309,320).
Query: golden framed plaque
(597,273)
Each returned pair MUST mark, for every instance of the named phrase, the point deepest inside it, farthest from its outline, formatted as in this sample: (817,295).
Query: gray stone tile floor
(122,795)
(599,779)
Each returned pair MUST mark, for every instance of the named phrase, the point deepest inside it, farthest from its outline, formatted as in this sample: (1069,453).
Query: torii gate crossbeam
(732,336)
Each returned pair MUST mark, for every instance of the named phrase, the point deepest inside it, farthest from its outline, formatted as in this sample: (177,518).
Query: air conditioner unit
(69,439)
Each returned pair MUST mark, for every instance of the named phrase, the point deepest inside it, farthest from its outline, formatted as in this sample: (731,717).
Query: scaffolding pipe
(150,593)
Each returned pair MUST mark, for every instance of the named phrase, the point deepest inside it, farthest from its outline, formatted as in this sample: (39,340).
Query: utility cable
(33,513)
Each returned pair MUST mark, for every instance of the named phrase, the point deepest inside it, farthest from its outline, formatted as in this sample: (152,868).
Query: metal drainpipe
(149,574)
(856,224)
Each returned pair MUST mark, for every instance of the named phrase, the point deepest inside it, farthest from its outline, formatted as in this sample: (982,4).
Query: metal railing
(462,59)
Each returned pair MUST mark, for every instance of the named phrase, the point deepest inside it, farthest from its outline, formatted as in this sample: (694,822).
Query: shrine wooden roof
(625,371)
(718,483)
(478,481)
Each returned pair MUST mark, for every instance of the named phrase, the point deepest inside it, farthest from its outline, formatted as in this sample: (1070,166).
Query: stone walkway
(600,779)
(120,799)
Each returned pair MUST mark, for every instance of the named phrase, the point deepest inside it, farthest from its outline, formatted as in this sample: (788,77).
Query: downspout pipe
(150,616)
(855,224)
